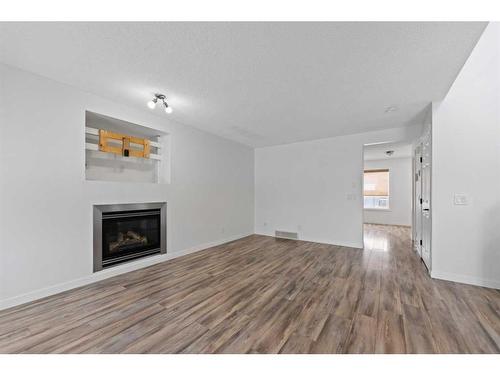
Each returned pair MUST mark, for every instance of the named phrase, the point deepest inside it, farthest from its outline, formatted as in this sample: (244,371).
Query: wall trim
(391,225)
(350,245)
(106,274)
(465,279)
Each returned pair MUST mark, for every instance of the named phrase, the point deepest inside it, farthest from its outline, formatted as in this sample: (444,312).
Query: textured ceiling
(257,83)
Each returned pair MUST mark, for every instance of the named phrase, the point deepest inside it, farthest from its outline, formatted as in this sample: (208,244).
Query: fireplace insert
(128,231)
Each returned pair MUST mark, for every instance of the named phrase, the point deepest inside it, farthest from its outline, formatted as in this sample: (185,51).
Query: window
(376,189)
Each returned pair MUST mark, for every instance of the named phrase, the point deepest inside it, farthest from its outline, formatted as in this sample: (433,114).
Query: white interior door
(426,200)
(417,180)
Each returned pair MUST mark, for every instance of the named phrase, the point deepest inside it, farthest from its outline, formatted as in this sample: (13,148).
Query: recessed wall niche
(109,166)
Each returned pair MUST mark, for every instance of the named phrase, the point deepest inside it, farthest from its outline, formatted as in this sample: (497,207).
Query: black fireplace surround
(124,232)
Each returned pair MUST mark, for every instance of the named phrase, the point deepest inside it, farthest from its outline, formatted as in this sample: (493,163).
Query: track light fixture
(161,98)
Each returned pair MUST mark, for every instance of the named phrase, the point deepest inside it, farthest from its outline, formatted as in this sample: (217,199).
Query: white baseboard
(389,225)
(107,273)
(465,279)
(325,242)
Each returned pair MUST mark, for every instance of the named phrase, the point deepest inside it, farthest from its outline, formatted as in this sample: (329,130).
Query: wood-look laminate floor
(263,295)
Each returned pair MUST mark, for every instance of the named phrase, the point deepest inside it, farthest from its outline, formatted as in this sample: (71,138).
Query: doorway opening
(396,191)
(387,187)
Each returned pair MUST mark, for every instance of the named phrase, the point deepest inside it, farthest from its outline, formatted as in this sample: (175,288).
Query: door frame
(427,197)
(418,192)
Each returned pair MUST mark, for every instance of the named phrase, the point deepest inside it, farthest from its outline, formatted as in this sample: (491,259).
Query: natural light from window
(376,189)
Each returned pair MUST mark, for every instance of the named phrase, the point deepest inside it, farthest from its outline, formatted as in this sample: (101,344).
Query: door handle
(426,209)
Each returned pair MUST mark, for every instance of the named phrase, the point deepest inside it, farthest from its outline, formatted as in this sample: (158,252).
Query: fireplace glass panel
(130,234)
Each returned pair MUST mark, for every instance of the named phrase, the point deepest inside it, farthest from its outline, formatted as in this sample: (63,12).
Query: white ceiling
(257,83)
(377,152)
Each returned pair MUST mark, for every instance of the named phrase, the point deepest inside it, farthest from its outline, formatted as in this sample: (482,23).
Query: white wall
(400,180)
(466,159)
(46,203)
(315,187)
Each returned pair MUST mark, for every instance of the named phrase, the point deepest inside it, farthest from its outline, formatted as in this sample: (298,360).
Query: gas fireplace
(125,232)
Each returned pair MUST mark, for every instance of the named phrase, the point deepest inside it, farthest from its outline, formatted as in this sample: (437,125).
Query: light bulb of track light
(168,109)
(152,104)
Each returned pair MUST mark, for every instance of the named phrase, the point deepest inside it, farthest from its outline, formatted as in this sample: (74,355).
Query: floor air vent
(287,235)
